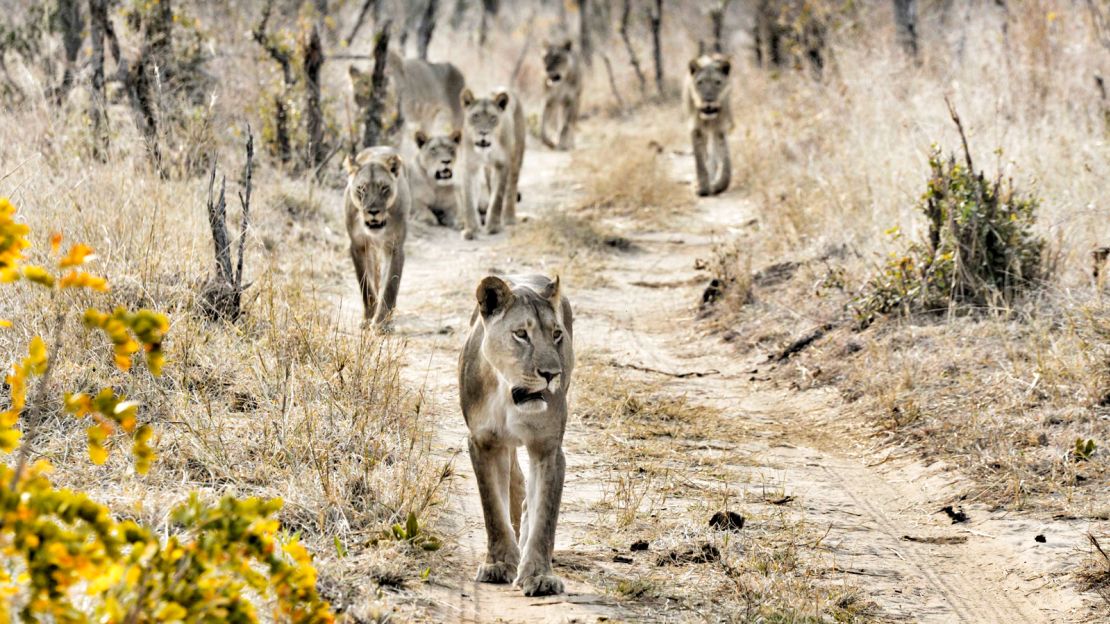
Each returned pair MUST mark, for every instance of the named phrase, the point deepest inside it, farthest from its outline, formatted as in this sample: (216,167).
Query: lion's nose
(548,375)
(447,161)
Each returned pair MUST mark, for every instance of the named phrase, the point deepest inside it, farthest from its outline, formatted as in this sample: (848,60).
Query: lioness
(514,374)
(432,178)
(562,93)
(425,89)
(377,205)
(706,101)
(492,154)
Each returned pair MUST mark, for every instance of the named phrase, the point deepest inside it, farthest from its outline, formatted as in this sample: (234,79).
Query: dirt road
(879,517)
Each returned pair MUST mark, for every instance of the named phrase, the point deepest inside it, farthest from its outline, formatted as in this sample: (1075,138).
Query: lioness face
(360,85)
(483,116)
(437,154)
(711,86)
(524,340)
(556,62)
(373,187)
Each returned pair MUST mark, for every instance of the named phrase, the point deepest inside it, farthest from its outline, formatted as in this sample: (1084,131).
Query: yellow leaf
(9,439)
(55,241)
(78,254)
(5,323)
(97,454)
(38,275)
(80,279)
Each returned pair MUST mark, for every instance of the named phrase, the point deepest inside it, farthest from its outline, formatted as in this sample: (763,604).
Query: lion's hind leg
(492,468)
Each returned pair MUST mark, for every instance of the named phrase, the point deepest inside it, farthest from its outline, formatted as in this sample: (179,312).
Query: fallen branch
(803,342)
(646,369)
(223,294)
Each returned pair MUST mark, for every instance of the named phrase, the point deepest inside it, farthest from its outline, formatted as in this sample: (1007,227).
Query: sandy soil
(640,315)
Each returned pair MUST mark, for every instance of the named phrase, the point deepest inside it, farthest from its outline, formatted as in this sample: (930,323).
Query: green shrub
(980,251)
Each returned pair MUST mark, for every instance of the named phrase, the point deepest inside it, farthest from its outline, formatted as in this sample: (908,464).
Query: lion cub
(492,154)
(377,205)
(514,374)
(706,101)
(562,94)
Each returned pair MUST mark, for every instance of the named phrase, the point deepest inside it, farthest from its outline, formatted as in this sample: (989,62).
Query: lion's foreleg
(701,166)
(492,468)
(392,284)
(364,272)
(545,493)
(516,496)
(497,203)
(570,119)
(468,203)
(724,163)
(545,123)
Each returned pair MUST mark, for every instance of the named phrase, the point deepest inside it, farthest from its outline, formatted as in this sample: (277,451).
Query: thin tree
(657,44)
(585,46)
(632,58)
(905,18)
(367,5)
(98,111)
(69,18)
(284,59)
(717,23)
(372,129)
(312,56)
(426,28)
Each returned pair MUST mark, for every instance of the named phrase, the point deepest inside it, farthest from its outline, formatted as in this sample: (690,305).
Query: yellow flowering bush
(64,558)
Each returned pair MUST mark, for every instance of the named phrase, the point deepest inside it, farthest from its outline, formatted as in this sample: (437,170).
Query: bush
(63,557)
(980,252)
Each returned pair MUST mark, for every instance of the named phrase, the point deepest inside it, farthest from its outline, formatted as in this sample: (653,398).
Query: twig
(366,6)
(803,342)
(613,82)
(628,46)
(661,372)
(245,201)
(963,137)
(40,399)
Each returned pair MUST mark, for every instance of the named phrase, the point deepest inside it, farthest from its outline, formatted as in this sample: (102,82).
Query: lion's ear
(552,292)
(354,72)
(726,66)
(466,97)
(420,139)
(494,296)
(351,164)
(393,163)
(694,67)
(455,136)
(501,99)
(569,45)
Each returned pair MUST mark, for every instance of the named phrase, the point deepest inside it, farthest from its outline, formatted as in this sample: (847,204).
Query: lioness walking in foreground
(562,94)
(492,155)
(514,374)
(706,100)
(377,206)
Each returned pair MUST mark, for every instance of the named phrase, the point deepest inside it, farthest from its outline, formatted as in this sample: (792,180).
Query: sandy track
(642,316)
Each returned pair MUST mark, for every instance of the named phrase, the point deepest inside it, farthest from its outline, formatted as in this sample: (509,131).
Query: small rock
(639,545)
(727,521)
(955,513)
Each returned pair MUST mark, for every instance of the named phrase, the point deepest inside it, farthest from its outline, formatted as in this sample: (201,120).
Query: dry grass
(1002,395)
(667,478)
(624,170)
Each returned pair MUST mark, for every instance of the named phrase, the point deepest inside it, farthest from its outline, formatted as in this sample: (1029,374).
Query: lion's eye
(521,335)
(558,336)
(383,191)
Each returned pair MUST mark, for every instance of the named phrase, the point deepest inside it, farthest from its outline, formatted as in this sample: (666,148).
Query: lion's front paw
(541,585)
(495,573)
(493,228)
(703,191)
(468,234)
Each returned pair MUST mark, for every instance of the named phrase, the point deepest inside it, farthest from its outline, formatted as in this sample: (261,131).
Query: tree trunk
(160,37)
(657,44)
(489,11)
(69,17)
(628,46)
(313,58)
(716,25)
(585,46)
(905,19)
(613,82)
(426,28)
(372,116)
(98,107)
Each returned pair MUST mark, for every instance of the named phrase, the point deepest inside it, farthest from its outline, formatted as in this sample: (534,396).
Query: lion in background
(706,101)
(562,94)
